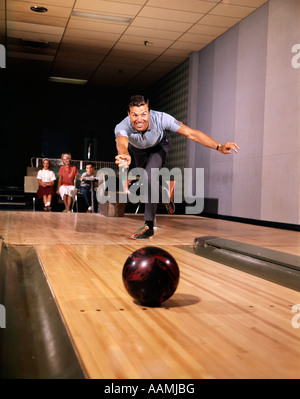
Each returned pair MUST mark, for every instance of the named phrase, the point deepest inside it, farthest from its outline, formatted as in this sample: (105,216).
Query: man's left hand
(227,147)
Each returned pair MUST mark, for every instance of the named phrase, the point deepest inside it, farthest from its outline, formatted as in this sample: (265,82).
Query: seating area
(109,209)
(31,182)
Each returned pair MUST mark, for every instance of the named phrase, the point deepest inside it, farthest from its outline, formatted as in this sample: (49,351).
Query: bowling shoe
(143,232)
(170,207)
(169,204)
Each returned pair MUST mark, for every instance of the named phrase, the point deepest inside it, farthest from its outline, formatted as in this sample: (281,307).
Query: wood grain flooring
(31,228)
(220,323)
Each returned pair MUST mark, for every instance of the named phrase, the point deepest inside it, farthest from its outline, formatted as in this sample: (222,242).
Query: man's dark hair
(89,163)
(137,101)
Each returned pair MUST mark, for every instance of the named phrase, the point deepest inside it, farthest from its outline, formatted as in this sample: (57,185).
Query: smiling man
(144,133)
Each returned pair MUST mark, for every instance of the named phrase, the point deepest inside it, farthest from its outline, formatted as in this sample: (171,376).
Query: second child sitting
(85,186)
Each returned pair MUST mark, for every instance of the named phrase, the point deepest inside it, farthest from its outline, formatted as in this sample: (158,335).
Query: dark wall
(39,121)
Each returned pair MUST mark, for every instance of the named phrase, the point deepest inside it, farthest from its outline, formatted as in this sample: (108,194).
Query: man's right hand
(123,161)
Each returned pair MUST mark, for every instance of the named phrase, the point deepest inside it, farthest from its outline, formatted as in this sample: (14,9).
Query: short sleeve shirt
(159,124)
(86,177)
(68,175)
(46,175)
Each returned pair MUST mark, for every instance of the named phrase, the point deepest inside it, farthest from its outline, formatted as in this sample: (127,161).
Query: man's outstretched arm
(207,141)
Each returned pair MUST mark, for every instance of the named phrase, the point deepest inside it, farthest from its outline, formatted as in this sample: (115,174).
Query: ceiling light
(34,44)
(30,56)
(38,9)
(102,17)
(68,80)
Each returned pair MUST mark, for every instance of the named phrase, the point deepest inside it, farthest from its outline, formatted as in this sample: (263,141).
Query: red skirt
(45,191)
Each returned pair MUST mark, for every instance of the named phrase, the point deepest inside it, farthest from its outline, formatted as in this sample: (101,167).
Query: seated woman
(66,186)
(46,179)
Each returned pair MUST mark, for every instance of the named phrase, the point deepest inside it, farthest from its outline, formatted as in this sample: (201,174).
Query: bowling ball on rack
(150,275)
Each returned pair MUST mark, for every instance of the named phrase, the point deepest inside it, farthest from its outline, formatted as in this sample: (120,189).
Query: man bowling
(144,133)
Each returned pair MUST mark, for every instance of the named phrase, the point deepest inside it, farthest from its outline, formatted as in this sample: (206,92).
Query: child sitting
(85,188)
(46,179)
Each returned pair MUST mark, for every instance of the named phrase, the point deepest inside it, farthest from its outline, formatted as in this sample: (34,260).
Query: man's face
(139,117)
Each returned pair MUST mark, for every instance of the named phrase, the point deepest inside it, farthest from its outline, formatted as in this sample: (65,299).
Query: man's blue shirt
(159,124)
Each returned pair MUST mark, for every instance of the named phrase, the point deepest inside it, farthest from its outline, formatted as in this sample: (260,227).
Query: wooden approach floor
(220,323)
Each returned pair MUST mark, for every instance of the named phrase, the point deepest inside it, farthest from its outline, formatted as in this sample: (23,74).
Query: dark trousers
(153,157)
(86,191)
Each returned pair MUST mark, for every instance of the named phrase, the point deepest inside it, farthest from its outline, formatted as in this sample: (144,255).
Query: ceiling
(157,36)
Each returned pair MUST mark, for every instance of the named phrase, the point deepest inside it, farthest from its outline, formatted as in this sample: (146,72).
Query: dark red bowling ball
(150,275)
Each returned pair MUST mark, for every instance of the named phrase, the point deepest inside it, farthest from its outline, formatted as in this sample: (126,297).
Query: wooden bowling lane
(32,228)
(220,323)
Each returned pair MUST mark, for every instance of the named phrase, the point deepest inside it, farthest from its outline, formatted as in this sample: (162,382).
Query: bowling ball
(150,275)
